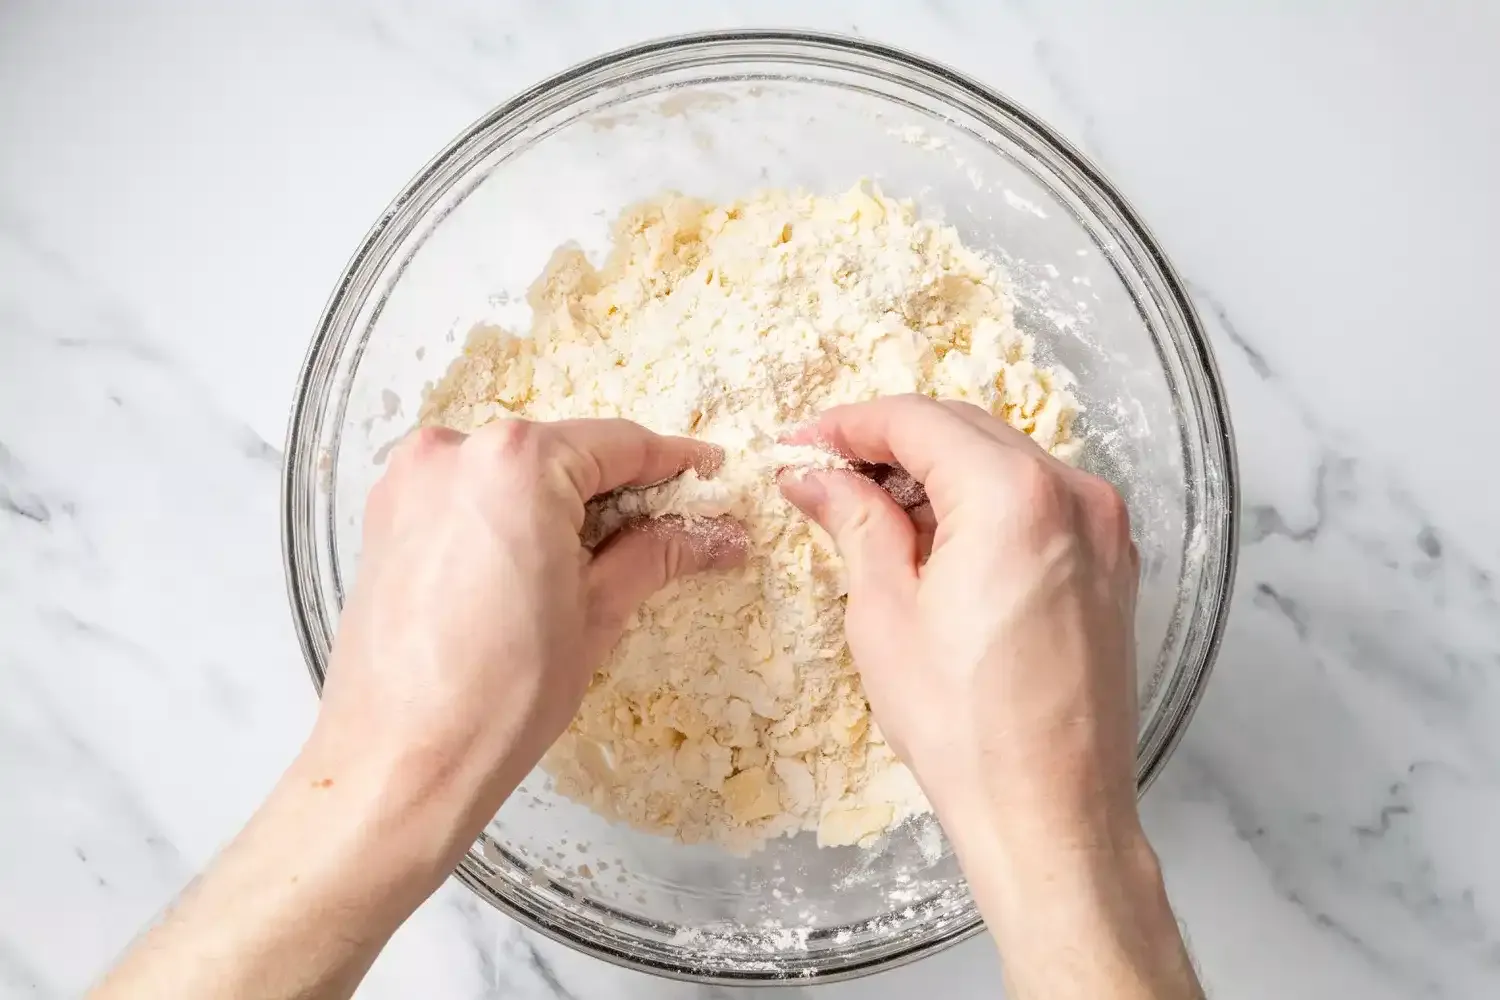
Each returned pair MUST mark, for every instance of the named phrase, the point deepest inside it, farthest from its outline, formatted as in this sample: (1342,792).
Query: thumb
(876,539)
(643,557)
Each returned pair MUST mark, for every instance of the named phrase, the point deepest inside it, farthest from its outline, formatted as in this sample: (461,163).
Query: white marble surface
(181,183)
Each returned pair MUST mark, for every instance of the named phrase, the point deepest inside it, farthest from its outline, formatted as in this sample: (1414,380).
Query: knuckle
(856,524)
(1109,523)
(1110,510)
(1043,505)
(915,399)
(380,500)
(1040,488)
(1110,503)
(964,407)
(422,444)
(511,443)
(508,437)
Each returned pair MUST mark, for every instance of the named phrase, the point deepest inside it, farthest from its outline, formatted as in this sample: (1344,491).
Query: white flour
(731,712)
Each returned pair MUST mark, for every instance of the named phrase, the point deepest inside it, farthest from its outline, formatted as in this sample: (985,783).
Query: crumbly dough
(731,711)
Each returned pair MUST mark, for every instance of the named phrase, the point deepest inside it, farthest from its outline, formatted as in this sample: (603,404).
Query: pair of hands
(1000,668)
(992,630)
(477,618)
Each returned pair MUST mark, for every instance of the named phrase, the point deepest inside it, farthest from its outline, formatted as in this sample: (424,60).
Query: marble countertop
(180,184)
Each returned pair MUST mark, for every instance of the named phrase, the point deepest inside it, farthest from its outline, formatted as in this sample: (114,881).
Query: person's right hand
(1002,668)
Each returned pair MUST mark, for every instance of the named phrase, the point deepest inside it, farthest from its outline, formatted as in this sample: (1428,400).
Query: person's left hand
(478,617)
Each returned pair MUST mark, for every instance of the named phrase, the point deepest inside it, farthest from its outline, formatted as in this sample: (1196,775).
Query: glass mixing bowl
(721,115)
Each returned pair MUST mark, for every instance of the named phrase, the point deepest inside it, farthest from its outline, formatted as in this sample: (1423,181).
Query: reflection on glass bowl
(719,116)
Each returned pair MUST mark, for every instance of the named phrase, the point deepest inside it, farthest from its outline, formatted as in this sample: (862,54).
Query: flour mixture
(731,711)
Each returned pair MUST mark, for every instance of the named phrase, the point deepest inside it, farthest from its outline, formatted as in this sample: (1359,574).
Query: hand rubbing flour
(731,711)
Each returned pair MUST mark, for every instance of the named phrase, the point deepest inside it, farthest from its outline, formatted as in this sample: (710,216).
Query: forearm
(1075,922)
(302,901)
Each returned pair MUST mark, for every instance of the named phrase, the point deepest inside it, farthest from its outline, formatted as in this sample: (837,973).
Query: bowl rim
(847,53)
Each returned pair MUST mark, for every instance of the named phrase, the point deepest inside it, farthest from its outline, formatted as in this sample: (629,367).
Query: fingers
(423,441)
(941,446)
(983,420)
(874,536)
(602,455)
(644,557)
(1003,432)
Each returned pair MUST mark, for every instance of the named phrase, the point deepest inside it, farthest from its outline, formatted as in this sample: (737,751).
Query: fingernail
(708,460)
(804,488)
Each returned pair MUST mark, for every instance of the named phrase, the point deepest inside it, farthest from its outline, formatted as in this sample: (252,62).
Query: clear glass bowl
(719,116)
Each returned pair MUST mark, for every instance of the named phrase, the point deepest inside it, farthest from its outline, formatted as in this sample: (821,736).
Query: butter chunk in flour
(731,711)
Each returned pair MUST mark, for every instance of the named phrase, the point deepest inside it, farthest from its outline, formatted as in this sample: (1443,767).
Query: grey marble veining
(180,184)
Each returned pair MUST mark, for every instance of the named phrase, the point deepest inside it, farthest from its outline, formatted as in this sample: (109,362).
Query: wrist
(1104,894)
(1016,841)
(300,902)
(1105,867)
(1020,849)
(1036,812)
(393,821)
